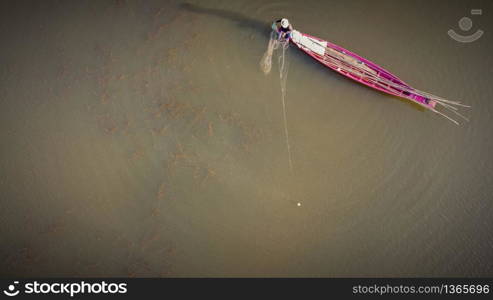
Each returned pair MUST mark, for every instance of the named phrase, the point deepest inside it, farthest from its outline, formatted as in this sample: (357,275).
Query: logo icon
(465,24)
(11,290)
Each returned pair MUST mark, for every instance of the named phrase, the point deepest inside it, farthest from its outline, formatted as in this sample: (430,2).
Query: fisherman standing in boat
(283,28)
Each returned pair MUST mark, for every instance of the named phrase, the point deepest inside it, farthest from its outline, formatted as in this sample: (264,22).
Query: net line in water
(266,66)
(283,76)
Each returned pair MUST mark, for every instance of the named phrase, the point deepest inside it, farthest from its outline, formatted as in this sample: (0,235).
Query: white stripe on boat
(309,43)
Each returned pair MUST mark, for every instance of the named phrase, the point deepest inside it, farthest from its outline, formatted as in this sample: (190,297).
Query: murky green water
(142,139)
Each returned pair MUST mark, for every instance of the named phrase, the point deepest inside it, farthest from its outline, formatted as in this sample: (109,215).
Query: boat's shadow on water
(237,18)
(263,28)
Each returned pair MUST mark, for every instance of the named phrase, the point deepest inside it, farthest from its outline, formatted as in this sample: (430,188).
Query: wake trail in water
(266,66)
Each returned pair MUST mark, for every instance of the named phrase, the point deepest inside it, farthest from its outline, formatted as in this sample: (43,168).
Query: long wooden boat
(370,74)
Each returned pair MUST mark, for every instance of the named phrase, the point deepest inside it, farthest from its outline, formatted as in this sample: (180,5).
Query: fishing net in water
(274,44)
(266,65)
(281,45)
(266,61)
